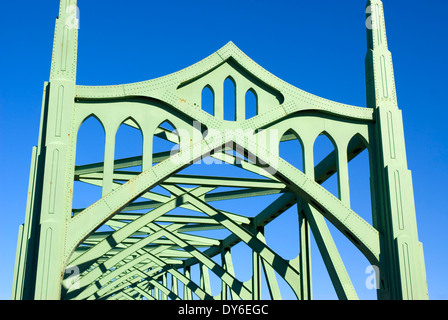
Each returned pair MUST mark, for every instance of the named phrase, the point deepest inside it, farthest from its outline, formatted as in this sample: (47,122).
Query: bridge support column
(402,269)
(56,158)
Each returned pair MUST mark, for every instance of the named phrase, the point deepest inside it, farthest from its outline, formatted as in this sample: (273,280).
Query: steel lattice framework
(132,244)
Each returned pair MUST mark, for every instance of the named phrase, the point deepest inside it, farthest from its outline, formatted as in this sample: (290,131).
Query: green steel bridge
(160,230)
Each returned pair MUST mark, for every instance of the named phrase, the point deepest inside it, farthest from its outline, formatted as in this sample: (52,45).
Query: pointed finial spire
(381,90)
(65,44)
(376,25)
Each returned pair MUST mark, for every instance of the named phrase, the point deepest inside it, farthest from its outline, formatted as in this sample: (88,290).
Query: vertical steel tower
(159,230)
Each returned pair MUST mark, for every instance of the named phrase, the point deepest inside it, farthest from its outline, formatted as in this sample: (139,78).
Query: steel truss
(154,225)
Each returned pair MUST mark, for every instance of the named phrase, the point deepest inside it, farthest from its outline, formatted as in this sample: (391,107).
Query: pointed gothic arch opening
(208,100)
(291,149)
(89,163)
(128,147)
(166,141)
(325,151)
(230,106)
(251,103)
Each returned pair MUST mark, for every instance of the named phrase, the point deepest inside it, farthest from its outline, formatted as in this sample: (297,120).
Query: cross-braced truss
(148,243)
(208,179)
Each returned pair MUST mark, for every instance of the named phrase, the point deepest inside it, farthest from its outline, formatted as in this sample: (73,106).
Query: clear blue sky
(318,46)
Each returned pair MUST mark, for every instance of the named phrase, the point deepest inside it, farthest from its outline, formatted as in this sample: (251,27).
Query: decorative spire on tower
(379,68)
(65,45)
